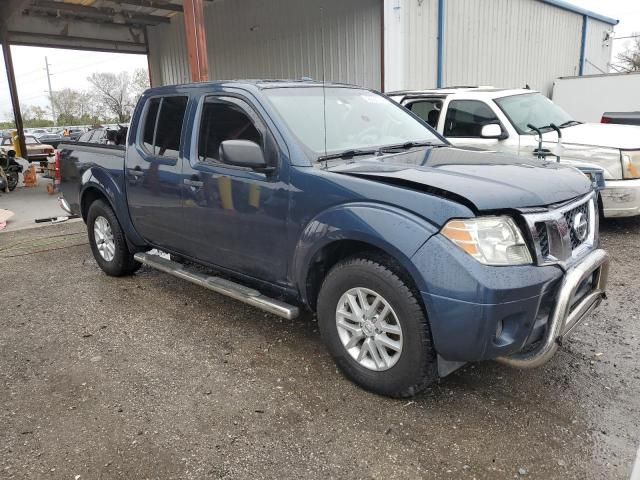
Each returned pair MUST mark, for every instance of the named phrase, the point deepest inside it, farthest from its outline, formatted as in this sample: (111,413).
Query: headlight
(630,164)
(490,240)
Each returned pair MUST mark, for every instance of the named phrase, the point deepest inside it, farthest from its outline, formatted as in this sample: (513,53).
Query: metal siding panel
(283,39)
(597,52)
(509,43)
(168,53)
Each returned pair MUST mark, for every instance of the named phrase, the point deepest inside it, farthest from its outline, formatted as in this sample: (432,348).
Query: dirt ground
(152,377)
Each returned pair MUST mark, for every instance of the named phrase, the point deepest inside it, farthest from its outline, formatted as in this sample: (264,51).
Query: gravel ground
(152,377)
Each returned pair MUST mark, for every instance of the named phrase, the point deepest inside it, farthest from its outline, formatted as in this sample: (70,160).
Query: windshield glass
(355,119)
(30,140)
(534,109)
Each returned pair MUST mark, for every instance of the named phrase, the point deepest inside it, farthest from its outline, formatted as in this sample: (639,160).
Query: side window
(85,137)
(163,126)
(428,110)
(149,128)
(224,119)
(465,118)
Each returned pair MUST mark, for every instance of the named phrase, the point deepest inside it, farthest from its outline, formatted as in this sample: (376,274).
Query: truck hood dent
(626,137)
(487,180)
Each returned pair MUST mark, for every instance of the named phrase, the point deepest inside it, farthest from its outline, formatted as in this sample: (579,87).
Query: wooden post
(13,89)
(196,40)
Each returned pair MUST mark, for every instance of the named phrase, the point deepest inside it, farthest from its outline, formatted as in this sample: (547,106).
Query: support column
(441,28)
(13,89)
(583,45)
(196,40)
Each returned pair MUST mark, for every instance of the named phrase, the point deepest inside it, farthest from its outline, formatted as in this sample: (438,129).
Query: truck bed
(77,158)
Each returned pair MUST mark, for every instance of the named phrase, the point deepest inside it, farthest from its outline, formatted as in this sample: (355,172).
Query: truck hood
(487,180)
(626,137)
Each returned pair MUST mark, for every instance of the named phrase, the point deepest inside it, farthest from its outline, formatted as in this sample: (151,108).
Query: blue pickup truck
(416,256)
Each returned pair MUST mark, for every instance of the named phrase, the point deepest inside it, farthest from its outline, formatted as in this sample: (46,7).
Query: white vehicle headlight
(630,164)
(490,240)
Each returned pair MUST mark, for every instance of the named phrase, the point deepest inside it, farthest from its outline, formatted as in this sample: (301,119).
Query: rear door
(153,171)
(235,217)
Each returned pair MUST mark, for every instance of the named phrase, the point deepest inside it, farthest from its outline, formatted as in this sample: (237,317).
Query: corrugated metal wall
(278,39)
(598,51)
(168,60)
(509,43)
(411,36)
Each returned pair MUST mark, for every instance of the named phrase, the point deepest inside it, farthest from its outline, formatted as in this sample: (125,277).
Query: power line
(53,111)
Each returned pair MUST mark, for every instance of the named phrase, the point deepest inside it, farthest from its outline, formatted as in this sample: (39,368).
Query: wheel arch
(373,230)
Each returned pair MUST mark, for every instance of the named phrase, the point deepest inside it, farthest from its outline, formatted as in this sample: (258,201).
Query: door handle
(193,183)
(136,172)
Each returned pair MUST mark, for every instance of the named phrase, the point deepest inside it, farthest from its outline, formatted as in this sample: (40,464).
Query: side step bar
(220,285)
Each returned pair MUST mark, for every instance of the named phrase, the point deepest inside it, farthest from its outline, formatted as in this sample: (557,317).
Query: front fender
(393,230)
(96,178)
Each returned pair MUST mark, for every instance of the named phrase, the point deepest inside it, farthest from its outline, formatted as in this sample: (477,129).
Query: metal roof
(564,5)
(112,25)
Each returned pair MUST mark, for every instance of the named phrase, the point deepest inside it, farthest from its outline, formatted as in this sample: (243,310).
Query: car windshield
(534,109)
(29,140)
(356,119)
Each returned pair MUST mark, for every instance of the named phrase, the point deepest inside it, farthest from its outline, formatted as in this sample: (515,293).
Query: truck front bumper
(621,198)
(516,314)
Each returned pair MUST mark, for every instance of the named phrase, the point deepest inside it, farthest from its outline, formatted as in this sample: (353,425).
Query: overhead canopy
(107,25)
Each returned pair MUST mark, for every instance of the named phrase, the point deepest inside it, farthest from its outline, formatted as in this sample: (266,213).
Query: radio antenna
(324,91)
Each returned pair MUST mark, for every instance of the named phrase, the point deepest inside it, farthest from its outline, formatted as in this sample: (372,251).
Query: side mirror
(493,130)
(242,153)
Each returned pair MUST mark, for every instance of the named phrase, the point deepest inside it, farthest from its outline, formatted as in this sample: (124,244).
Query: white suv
(502,120)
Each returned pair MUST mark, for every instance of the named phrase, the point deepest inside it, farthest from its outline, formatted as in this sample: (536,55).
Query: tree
(140,82)
(68,104)
(35,116)
(630,58)
(113,92)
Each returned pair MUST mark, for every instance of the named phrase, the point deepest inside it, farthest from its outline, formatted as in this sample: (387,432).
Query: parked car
(416,256)
(502,120)
(37,152)
(38,132)
(52,138)
(624,118)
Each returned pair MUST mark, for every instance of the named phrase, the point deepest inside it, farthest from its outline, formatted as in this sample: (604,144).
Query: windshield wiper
(569,123)
(407,146)
(346,154)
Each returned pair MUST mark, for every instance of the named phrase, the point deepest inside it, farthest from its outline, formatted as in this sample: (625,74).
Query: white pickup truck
(502,120)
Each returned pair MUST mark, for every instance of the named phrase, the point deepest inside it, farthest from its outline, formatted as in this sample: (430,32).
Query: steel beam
(13,87)
(109,15)
(196,40)
(76,34)
(157,4)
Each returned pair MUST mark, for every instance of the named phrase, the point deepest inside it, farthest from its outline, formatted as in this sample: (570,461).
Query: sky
(70,68)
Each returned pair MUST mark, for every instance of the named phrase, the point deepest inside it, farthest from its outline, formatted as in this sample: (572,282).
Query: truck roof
(480,91)
(256,83)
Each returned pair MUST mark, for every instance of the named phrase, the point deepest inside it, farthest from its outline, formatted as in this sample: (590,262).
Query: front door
(235,216)
(153,172)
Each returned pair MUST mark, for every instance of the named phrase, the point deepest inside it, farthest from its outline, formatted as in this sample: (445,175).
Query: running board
(220,285)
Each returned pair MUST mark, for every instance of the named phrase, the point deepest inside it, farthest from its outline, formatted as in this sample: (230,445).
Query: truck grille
(570,217)
(564,233)
(543,238)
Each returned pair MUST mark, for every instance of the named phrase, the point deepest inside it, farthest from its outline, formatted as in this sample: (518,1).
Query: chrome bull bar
(564,318)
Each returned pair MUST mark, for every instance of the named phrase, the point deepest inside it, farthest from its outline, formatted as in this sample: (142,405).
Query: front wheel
(375,328)
(107,241)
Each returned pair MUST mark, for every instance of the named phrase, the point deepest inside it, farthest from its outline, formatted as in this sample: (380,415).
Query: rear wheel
(375,327)
(107,241)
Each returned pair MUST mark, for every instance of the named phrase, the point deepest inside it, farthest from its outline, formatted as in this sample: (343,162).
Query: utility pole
(53,111)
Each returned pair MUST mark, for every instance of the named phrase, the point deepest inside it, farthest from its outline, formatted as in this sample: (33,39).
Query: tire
(415,366)
(12,180)
(115,259)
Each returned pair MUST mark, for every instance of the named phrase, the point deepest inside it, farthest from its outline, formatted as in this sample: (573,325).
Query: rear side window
(222,120)
(85,137)
(428,110)
(163,126)
(465,118)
